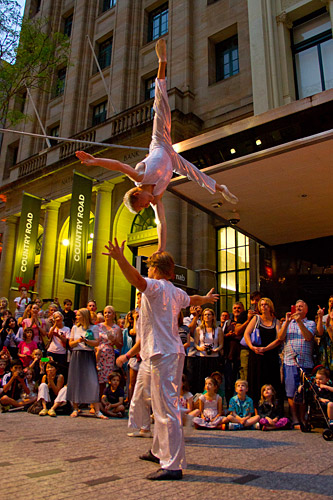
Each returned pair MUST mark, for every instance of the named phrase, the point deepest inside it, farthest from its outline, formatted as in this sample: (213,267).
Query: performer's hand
(86,158)
(115,251)
(212,297)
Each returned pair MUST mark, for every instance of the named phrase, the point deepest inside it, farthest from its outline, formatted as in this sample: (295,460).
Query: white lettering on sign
(26,242)
(78,230)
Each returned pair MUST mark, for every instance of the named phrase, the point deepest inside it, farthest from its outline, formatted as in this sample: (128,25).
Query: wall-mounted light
(91,235)
(258,142)
(65,242)
(232,151)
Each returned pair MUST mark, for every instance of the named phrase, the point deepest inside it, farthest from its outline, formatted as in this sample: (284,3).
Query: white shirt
(56,345)
(79,331)
(158,319)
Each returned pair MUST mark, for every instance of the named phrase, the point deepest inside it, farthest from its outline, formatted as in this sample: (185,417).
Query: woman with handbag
(264,364)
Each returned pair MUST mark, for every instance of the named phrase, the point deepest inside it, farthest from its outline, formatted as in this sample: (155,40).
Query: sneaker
(235,427)
(257,426)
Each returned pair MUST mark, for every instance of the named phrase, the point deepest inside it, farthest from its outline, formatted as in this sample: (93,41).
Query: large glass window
(233,268)
(158,22)
(227,61)
(104,53)
(313,54)
(68,23)
(150,88)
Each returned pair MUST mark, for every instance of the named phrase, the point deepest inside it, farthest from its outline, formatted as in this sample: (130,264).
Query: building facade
(238,74)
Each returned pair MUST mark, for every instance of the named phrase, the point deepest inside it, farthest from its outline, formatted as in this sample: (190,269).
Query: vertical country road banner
(78,233)
(26,240)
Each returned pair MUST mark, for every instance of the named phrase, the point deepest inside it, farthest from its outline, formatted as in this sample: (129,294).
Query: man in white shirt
(162,346)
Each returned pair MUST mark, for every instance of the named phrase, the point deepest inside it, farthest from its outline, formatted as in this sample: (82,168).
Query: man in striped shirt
(297,332)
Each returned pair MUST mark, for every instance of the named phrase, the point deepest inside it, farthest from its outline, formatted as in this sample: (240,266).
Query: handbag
(255,335)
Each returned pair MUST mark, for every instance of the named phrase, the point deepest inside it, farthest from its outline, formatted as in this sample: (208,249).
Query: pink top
(27,323)
(25,348)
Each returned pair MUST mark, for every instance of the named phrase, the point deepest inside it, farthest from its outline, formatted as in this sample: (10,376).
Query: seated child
(241,408)
(219,379)
(113,397)
(210,406)
(13,385)
(324,392)
(37,365)
(26,347)
(186,403)
(32,385)
(50,388)
(269,412)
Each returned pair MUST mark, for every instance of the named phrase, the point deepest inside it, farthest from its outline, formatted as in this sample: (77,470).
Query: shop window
(60,82)
(68,23)
(99,113)
(108,4)
(312,47)
(226,57)
(233,268)
(104,53)
(158,22)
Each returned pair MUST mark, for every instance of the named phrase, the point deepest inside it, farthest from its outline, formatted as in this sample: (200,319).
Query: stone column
(284,26)
(102,231)
(7,256)
(48,253)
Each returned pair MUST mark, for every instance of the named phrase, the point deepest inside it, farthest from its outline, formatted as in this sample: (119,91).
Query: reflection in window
(233,268)
(312,46)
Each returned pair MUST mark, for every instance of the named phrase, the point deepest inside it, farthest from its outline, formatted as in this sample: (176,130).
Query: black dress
(264,369)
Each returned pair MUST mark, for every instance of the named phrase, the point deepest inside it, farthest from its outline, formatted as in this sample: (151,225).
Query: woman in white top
(58,335)
(21,302)
(208,341)
(82,386)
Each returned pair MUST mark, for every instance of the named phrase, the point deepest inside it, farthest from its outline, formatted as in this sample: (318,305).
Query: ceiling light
(232,151)
(258,142)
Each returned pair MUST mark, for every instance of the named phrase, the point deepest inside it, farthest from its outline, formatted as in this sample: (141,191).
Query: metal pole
(101,73)
(49,145)
(65,139)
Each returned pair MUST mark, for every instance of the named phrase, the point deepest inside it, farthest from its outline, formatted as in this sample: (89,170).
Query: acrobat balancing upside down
(153,174)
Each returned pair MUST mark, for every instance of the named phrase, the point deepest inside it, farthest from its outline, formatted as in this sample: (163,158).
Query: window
(60,83)
(108,4)
(55,133)
(99,113)
(158,22)
(312,47)
(233,267)
(11,158)
(226,56)
(104,53)
(150,88)
(34,7)
(68,22)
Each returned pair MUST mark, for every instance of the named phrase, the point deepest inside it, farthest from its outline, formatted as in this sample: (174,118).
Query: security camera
(234,218)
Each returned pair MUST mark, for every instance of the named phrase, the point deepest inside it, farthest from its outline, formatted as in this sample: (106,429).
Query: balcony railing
(118,124)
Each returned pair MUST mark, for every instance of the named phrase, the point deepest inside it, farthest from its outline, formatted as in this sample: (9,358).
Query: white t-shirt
(77,332)
(158,319)
(56,345)
(19,311)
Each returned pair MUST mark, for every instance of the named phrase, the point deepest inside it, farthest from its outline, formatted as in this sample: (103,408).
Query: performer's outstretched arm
(110,164)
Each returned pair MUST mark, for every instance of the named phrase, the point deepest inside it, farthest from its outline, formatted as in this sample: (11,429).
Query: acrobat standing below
(153,174)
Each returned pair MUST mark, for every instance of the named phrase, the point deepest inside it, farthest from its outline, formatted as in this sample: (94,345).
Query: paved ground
(85,458)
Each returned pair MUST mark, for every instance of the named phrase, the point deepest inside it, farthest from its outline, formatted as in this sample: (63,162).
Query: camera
(209,349)
(21,374)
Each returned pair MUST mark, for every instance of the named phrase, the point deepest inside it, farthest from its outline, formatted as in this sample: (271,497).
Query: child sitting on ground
(219,379)
(186,403)
(324,392)
(13,384)
(269,412)
(113,397)
(153,174)
(210,406)
(241,408)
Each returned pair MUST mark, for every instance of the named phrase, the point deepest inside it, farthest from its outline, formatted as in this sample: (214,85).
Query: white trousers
(166,378)
(139,412)
(44,393)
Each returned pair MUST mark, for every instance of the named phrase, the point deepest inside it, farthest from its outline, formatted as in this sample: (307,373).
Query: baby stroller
(315,414)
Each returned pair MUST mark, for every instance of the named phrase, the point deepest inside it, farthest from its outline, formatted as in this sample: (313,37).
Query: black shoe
(149,457)
(165,475)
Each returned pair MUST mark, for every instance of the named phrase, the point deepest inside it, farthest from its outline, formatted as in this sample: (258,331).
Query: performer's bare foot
(227,194)
(160,49)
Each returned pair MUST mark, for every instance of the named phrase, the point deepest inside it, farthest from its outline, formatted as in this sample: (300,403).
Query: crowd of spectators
(55,360)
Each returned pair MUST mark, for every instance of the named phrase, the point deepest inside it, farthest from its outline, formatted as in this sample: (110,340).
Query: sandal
(52,413)
(43,412)
(75,413)
(100,415)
